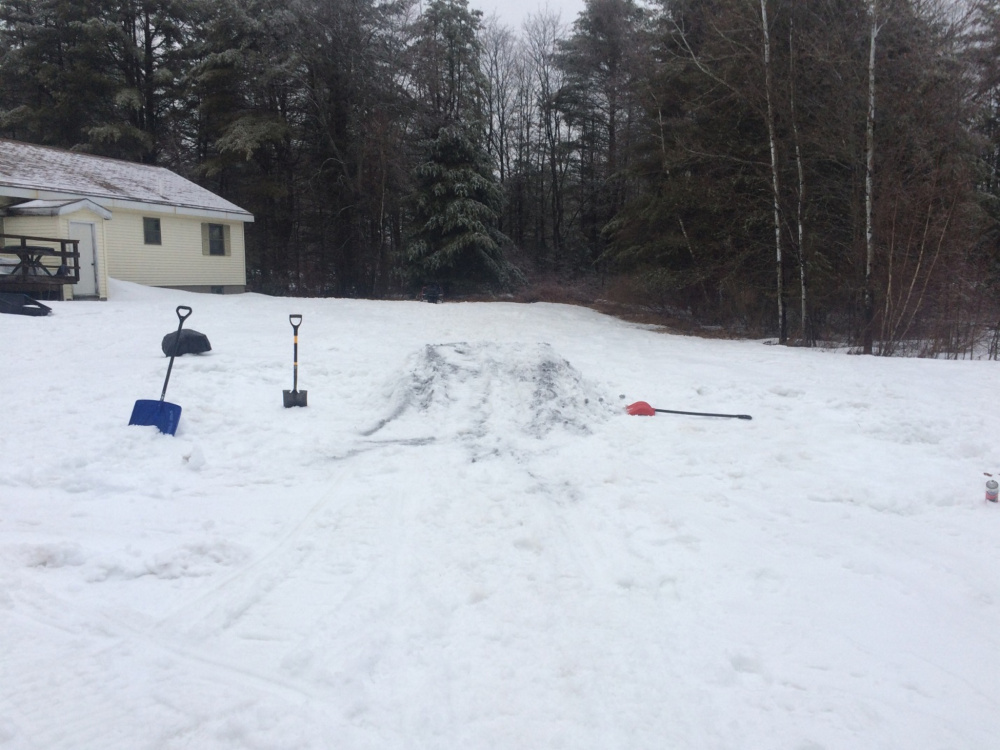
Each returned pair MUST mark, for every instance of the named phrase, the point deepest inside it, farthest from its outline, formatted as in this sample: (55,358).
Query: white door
(84,232)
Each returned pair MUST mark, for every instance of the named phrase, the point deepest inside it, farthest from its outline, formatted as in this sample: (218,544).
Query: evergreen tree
(97,75)
(246,97)
(602,60)
(354,129)
(148,49)
(456,205)
(456,201)
(55,79)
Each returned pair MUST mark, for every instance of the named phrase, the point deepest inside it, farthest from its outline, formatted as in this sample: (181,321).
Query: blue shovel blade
(161,414)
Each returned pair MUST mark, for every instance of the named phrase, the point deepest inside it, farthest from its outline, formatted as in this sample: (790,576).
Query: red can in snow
(991,490)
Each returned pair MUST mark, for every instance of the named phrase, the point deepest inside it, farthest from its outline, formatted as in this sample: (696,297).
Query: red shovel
(642,409)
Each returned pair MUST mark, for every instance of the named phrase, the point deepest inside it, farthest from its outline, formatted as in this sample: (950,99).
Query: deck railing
(38,261)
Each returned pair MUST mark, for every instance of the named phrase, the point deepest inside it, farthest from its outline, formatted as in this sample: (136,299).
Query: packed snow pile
(488,396)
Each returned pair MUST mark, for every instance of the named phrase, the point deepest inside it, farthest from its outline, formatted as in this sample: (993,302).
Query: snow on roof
(57,207)
(27,170)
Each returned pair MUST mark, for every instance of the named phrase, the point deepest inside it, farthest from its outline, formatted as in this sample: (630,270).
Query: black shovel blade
(160,414)
(294,398)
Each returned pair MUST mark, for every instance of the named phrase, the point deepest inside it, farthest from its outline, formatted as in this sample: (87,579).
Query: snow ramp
(488,396)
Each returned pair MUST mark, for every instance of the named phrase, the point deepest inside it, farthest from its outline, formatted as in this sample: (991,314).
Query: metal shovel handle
(177,342)
(296,321)
(704,414)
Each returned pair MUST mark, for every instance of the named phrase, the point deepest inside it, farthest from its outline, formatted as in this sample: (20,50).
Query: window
(215,239)
(151,231)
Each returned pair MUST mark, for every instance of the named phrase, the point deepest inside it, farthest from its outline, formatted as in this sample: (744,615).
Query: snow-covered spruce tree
(456,200)
(456,204)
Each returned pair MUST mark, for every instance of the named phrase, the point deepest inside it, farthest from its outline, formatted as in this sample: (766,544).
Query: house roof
(35,172)
(57,208)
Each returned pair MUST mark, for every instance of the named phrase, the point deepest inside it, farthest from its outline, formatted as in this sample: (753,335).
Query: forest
(809,172)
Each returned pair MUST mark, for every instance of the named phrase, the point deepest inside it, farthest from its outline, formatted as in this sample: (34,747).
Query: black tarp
(21,304)
(191,342)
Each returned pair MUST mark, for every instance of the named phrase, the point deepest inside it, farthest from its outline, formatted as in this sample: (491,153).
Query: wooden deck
(37,264)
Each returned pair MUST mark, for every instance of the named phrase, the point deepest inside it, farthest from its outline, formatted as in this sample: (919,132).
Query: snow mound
(49,555)
(128,291)
(194,560)
(487,393)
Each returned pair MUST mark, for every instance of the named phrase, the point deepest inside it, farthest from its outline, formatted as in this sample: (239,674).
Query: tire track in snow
(555,517)
(266,579)
(92,693)
(95,705)
(251,605)
(373,645)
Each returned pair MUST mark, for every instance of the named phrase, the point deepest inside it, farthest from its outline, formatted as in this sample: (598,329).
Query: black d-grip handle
(177,343)
(296,321)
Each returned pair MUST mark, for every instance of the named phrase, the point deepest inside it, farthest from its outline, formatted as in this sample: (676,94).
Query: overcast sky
(513,12)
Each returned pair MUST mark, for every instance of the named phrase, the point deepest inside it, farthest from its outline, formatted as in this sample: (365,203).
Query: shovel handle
(296,321)
(704,414)
(177,342)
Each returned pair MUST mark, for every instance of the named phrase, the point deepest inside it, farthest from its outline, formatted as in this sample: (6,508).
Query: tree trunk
(800,197)
(869,294)
(775,186)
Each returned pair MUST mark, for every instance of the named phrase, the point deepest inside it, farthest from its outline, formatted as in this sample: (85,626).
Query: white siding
(34,226)
(58,227)
(179,260)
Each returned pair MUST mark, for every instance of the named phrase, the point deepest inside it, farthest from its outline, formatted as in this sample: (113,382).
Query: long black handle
(296,321)
(177,343)
(704,414)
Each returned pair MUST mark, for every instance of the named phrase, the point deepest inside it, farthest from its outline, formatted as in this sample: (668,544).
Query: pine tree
(148,46)
(457,201)
(244,91)
(601,61)
(456,206)
(55,83)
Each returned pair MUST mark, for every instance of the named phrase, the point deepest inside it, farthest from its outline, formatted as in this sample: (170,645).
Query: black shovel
(295,397)
(162,414)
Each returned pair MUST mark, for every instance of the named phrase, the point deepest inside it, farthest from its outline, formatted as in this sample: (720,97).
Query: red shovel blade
(640,409)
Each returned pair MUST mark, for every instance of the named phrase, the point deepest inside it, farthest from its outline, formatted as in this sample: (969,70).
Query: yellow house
(127,221)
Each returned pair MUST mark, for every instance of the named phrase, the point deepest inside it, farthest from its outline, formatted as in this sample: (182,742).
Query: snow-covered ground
(464,542)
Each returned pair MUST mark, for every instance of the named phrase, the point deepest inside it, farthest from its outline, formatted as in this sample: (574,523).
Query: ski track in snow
(462,542)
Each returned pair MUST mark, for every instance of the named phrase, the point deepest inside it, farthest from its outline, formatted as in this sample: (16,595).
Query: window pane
(216,239)
(151,231)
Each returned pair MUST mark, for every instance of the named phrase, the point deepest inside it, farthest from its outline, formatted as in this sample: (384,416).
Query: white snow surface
(463,541)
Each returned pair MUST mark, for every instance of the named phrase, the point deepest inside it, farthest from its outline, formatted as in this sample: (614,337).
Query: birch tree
(775,178)
(800,194)
(869,292)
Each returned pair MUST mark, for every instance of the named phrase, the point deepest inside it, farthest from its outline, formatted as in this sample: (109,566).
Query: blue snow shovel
(162,414)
